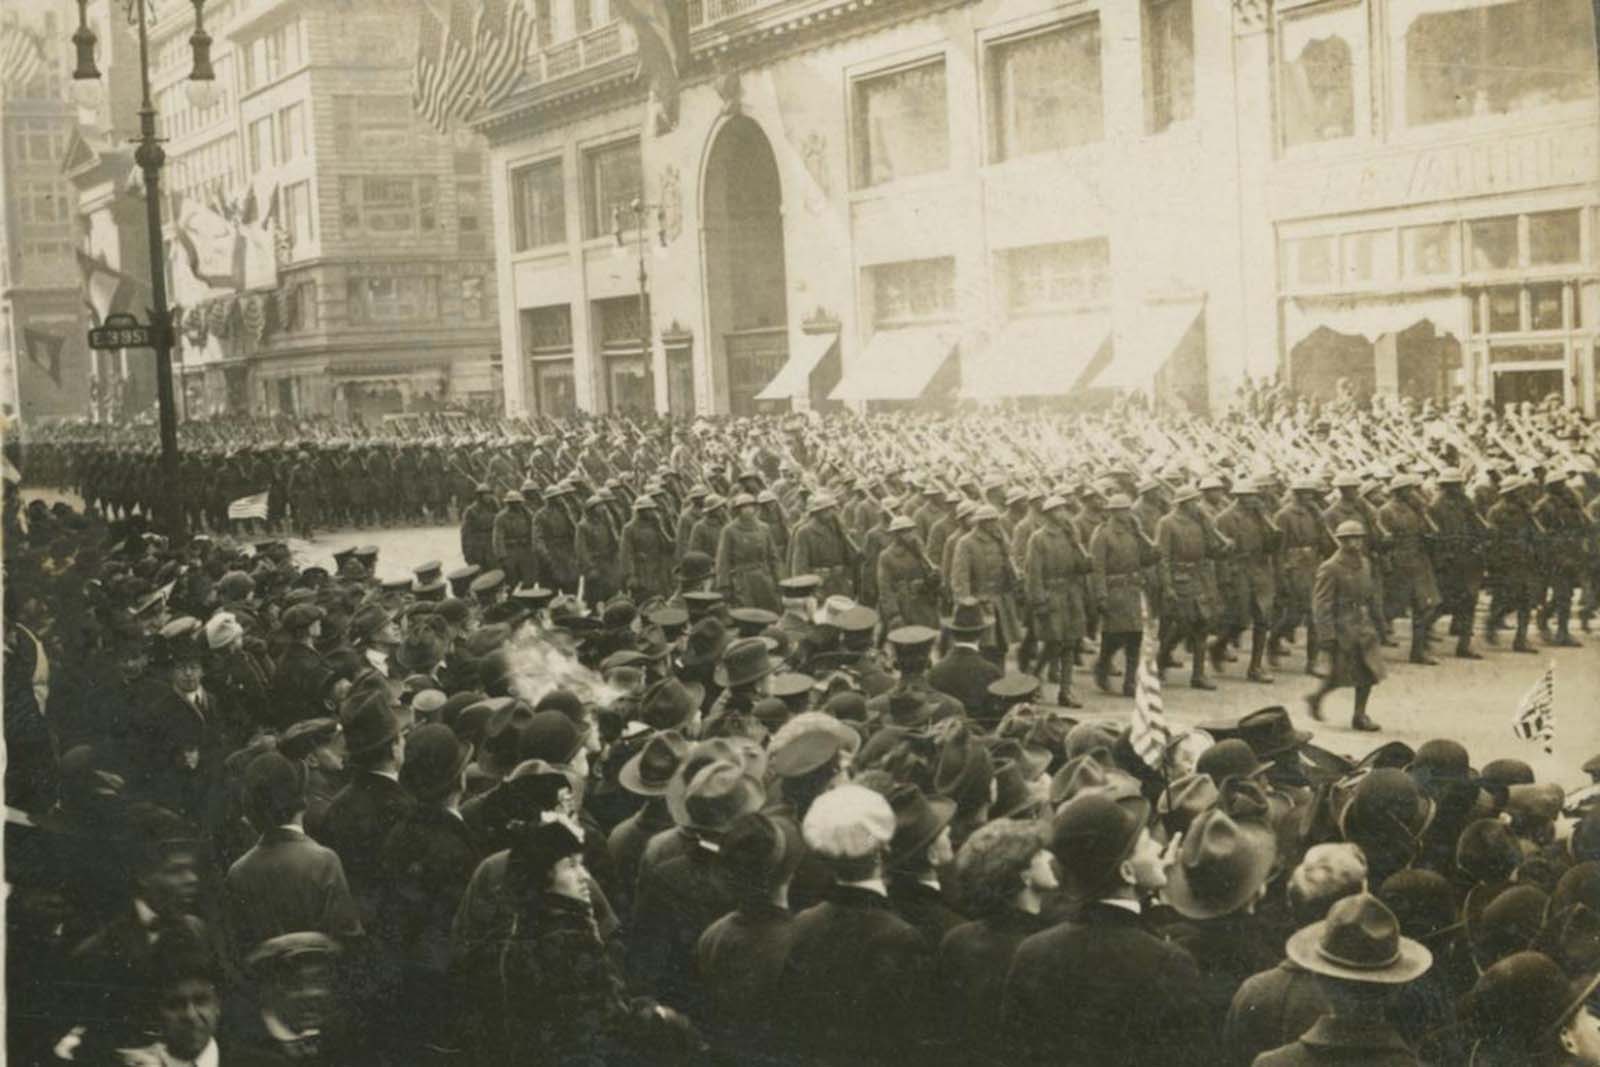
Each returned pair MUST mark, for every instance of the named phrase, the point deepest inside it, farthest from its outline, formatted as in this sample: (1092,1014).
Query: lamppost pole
(637,209)
(150,157)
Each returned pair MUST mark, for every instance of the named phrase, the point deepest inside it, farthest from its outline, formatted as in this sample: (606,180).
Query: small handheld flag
(249,507)
(1536,713)
(1150,734)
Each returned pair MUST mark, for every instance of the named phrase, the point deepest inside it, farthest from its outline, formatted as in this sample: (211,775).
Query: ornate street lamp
(202,93)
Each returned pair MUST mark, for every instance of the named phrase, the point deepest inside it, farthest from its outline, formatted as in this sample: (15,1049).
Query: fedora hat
(968,617)
(744,662)
(650,771)
(1014,795)
(670,703)
(1086,776)
(719,793)
(1269,731)
(434,762)
(370,724)
(1221,865)
(1185,800)
(1359,941)
(918,821)
(705,644)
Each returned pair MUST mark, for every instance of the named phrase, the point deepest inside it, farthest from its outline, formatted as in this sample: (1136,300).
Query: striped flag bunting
(1150,734)
(458,92)
(21,56)
(253,506)
(427,73)
(1536,713)
(504,38)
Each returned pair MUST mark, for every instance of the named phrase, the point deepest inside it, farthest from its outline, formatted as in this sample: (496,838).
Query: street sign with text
(124,331)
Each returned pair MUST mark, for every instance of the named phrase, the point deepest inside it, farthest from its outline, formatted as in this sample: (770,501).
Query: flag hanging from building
(44,351)
(458,96)
(426,72)
(662,27)
(21,56)
(505,37)
(253,506)
(1536,714)
(106,290)
(1150,734)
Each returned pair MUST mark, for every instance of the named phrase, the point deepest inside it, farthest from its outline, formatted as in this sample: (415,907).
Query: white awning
(897,364)
(1135,364)
(794,377)
(1373,317)
(1039,355)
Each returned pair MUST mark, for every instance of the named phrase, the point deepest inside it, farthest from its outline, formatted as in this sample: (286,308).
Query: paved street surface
(1470,700)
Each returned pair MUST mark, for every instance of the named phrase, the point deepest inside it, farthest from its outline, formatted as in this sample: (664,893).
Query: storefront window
(547,329)
(1545,306)
(1466,59)
(1493,243)
(902,124)
(633,389)
(1059,276)
(1553,237)
(555,394)
(917,291)
(1429,250)
(1369,257)
(1045,90)
(1323,72)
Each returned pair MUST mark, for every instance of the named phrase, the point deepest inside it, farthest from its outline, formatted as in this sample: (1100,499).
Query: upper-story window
(613,179)
(902,124)
(274,54)
(911,292)
(1469,59)
(1168,62)
(538,206)
(1045,90)
(1323,74)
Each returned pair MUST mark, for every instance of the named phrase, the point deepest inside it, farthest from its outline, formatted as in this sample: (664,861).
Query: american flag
(505,36)
(1536,714)
(427,75)
(458,89)
(21,57)
(253,506)
(1150,734)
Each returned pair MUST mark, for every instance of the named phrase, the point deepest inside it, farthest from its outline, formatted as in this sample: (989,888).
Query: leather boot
(1217,650)
(1359,721)
(1464,647)
(1102,676)
(1258,641)
(1419,646)
(1197,677)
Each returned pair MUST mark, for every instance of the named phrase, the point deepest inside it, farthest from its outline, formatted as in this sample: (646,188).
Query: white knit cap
(222,630)
(850,822)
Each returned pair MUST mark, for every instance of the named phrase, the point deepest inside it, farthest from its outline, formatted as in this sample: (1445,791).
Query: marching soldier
(648,554)
(687,517)
(981,568)
(908,582)
(477,528)
(1185,544)
(596,546)
(557,537)
(1119,551)
(747,566)
(1349,507)
(1251,587)
(1342,599)
(1513,561)
(1304,544)
(1458,545)
(1564,537)
(1055,564)
(822,547)
(511,541)
(706,534)
(1409,584)
(770,511)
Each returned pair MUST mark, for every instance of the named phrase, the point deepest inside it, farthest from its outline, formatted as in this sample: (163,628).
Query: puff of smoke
(540,663)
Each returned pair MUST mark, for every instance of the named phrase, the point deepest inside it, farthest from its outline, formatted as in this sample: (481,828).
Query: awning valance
(1040,355)
(1160,329)
(794,377)
(385,369)
(1373,317)
(897,364)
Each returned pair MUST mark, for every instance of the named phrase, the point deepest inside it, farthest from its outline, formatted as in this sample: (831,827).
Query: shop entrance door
(1526,386)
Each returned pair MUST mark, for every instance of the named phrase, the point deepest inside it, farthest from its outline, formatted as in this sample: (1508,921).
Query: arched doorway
(742,215)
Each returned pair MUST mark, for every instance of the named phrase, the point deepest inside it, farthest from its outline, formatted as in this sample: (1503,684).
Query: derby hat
(1221,865)
(1232,758)
(371,723)
(1091,836)
(1524,999)
(705,644)
(650,771)
(744,662)
(1359,941)
(1386,805)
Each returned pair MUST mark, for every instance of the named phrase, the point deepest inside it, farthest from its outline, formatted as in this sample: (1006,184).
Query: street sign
(123,331)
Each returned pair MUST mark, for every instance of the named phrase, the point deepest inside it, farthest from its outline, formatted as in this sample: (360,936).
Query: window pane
(1493,59)
(1313,259)
(538,205)
(1505,310)
(1430,250)
(1546,305)
(1553,237)
(1526,353)
(1169,62)
(1493,243)
(1322,57)
(555,391)
(1058,276)
(901,124)
(1369,257)
(614,182)
(547,329)
(914,291)
(1045,91)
